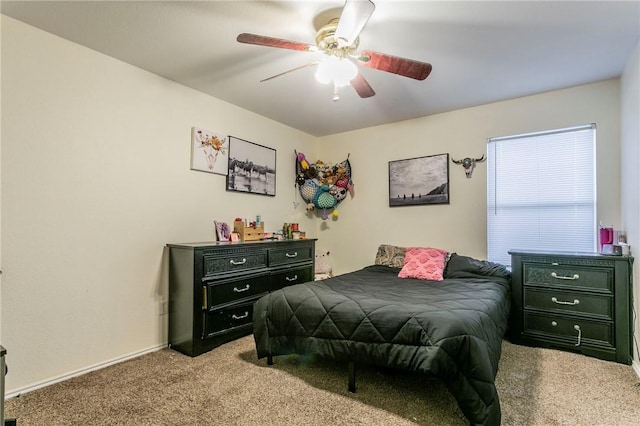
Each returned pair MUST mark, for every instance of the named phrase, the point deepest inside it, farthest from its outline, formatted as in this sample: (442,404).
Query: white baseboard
(636,367)
(82,371)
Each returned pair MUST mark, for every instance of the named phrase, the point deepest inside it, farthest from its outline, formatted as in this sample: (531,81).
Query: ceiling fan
(339,41)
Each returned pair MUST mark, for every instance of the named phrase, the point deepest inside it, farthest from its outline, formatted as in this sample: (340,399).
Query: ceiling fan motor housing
(328,43)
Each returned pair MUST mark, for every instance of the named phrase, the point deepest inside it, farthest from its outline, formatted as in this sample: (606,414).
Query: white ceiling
(481,51)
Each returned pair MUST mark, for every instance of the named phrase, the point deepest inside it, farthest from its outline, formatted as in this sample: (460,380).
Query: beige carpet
(229,386)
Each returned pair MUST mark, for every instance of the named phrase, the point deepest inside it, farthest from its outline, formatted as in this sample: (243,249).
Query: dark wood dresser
(579,302)
(213,286)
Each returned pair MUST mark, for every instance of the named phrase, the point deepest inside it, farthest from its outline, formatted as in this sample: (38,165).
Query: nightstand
(578,302)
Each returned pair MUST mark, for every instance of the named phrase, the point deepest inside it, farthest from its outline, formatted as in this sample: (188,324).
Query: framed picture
(223,231)
(251,168)
(416,181)
(209,151)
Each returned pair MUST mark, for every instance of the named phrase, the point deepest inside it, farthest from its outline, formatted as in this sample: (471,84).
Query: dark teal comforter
(449,329)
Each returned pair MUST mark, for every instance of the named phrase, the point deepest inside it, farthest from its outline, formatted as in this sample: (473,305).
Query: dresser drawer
(222,320)
(217,263)
(548,299)
(600,279)
(291,276)
(290,254)
(577,331)
(227,291)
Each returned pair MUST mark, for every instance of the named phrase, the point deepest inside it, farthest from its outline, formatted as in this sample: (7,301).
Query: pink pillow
(423,263)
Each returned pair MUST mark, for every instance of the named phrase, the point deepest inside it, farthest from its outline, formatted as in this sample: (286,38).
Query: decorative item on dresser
(212,287)
(573,301)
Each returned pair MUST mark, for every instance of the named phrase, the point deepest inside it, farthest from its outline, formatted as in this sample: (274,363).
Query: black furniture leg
(352,377)
(3,371)
(269,359)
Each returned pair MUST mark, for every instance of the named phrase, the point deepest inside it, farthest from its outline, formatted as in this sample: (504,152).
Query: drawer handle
(295,277)
(560,302)
(237,317)
(205,302)
(577,328)
(233,262)
(562,277)
(295,254)
(240,290)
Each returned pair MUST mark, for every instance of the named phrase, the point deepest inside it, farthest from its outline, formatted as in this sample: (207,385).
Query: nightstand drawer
(600,279)
(232,262)
(291,254)
(578,331)
(222,320)
(223,292)
(594,305)
(291,276)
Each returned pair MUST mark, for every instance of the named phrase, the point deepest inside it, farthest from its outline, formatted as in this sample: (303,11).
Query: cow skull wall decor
(469,164)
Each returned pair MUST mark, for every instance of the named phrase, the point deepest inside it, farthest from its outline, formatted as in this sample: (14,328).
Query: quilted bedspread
(449,329)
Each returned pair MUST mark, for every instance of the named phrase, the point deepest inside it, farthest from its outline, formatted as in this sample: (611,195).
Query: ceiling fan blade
(354,16)
(310,64)
(275,42)
(394,64)
(362,86)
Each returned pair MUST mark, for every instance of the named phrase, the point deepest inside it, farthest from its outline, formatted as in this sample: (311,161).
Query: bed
(450,329)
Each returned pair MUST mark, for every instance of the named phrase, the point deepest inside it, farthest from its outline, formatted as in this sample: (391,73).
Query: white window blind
(541,192)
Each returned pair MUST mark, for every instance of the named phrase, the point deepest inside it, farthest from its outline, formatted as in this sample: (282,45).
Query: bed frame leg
(352,377)
(269,359)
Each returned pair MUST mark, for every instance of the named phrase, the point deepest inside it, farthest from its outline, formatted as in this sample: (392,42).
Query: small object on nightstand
(626,249)
(612,249)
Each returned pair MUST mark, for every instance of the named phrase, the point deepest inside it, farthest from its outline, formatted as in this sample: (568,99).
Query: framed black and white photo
(252,168)
(417,181)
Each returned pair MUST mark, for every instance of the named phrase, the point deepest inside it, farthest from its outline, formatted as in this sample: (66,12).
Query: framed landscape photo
(209,151)
(417,181)
(251,168)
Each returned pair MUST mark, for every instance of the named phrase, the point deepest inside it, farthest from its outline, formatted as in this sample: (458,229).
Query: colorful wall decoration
(323,186)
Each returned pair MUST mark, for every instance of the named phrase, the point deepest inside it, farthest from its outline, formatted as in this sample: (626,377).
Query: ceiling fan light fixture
(340,71)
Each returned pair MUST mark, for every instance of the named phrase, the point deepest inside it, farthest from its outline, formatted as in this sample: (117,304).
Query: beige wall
(95,181)
(630,186)
(367,221)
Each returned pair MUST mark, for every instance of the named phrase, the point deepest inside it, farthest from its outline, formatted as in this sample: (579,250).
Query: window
(541,192)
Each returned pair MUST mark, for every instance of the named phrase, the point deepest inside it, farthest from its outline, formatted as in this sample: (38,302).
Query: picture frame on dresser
(251,168)
(223,231)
